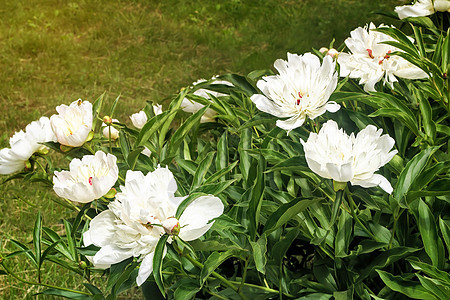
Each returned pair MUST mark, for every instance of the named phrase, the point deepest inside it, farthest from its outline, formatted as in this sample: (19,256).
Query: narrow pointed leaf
(157,262)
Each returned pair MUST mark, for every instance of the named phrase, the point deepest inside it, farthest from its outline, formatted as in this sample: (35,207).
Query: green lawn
(54,52)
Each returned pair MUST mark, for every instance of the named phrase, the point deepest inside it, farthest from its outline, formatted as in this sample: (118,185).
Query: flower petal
(195,218)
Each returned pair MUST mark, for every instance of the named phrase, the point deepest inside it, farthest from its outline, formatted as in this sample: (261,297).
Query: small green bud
(82,264)
(107,120)
(171,226)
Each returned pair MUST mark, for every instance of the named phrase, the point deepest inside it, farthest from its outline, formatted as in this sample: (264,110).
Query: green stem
(244,275)
(88,148)
(217,275)
(40,284)
(397,215)
(355,217)
(263,288)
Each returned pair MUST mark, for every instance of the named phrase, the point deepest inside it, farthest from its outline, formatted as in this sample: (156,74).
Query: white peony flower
(113,131)
(157,109)
(139,119)
(334,155)
(73,123)
(422,8)
(132,225)
(371,61)
(87,179)
(301,89)
(191,106)
(24,144)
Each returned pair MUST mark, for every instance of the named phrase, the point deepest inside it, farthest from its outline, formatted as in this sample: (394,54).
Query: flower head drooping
(422,8)
(24,144)
(370,60)
(142,212)
(334,155)
(87,179)
(73,123)
(193,106)
(301,89)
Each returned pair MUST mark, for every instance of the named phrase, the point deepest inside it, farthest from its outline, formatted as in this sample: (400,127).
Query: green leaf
(152,126)
(405,43)
(37,235)
(173,108)
(26,251)
(70,241)
(428,124)
(133,157)
(423,22)
(343,235)
(213,261)
(76,223)
(278,251)
(411,172)
(214,188)
(47,251)
(336,204)
(435,286)
(65,294)
(187,289)
(256,196)
(61,247)
(419,39)
(409,288)
(113,106)
(117,271)
(286,212)
(96,108)
(93,289)
(220,175)
(157,262)
(222,154)
(202,170)
(384,259)
(245,159)
(182,206)
(445,52)
(445,229)
(429,233)
(187,165)
(296,164)
(429,270)
(429,174)
(183,130)
(259,253)
(124,144)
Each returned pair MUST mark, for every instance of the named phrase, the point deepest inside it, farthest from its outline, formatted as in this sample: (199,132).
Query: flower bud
(171,226)
(332,52)
(107,120)
(323,50)
(82,264)
(28,165)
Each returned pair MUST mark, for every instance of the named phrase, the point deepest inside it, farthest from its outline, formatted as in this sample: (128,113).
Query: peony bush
(239,188)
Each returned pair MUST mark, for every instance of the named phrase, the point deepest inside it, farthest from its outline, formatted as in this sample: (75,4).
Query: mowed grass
(54,52)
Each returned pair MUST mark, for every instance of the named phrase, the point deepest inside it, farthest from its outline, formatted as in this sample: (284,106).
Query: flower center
(386,56)
(369,51)
(300,96)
